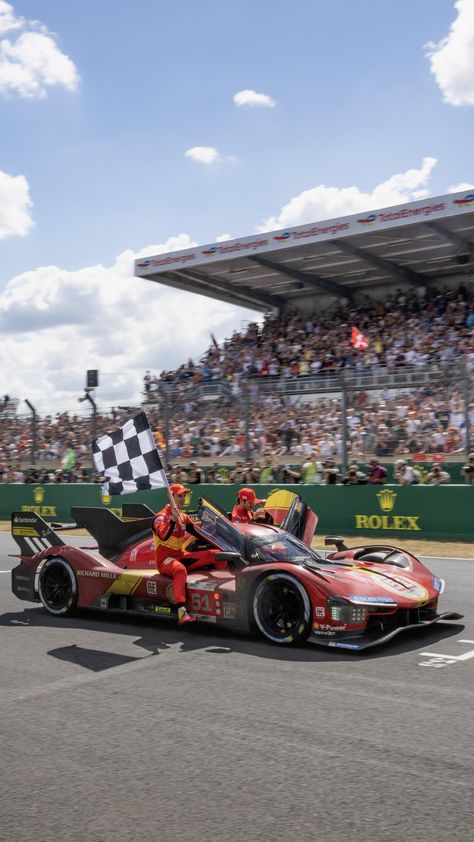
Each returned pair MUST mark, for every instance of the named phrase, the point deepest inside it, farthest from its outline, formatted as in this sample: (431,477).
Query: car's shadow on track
(157,637)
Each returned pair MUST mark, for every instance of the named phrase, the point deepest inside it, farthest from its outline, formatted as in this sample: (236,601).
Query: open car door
(292,514)
(216,527)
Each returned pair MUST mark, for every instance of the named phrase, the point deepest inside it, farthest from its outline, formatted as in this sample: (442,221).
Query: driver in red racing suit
(171,527)
(242,512)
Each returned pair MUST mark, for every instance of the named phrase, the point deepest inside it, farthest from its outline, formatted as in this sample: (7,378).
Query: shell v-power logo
(387,499)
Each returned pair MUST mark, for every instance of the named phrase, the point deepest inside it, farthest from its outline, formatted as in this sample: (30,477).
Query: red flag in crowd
(358,340)
(215,343)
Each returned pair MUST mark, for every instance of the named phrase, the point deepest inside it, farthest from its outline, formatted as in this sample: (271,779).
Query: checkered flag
(129,459)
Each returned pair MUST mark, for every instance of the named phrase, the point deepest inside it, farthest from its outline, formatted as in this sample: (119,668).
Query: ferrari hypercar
(260,577)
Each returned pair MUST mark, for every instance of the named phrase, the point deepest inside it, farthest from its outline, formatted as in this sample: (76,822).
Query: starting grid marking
(437,660)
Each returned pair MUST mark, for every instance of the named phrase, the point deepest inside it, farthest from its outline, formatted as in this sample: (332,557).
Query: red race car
(251,578)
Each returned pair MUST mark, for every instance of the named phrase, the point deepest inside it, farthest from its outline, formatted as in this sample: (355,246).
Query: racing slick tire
(57,587)
(281,609)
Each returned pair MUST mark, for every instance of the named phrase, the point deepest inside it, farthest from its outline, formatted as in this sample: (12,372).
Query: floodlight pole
(166,420)
(92,402)
(344,423)
(247,419)
(467,420)
(33,431)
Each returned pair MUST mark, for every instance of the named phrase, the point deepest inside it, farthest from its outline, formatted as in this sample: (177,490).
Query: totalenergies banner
(437,208)
(394,512)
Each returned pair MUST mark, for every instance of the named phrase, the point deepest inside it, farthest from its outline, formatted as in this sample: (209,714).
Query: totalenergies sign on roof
(440,207)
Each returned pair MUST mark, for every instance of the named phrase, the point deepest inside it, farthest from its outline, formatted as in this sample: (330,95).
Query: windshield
(279,547)
(218,529)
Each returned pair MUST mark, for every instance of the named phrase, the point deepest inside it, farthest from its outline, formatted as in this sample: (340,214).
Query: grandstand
(413,246)
(401,274)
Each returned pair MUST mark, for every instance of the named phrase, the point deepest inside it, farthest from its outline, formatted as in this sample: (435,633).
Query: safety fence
(436,512)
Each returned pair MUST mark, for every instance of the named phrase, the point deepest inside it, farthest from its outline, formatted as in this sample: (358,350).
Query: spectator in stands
(196,475)
(331,472)
(467,471)
(289,475)
(268,472)
(437,476)
(354,476)
(312,469)
(405,474)
(377,473)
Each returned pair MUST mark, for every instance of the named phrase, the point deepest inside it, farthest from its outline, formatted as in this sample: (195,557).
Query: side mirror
(234,560)
(338,542)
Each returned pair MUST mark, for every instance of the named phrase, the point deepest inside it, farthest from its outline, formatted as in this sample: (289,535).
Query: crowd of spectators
(263,425)
(404,330)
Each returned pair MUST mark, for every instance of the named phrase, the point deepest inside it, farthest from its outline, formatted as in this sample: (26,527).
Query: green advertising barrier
(442,512)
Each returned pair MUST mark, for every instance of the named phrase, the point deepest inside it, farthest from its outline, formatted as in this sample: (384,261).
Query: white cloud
(15,206)
(56,324)
(458,188)
(203,154)
(222,238)
(252,98)
(323,202)
(8,19)
(32,62)
(452,58)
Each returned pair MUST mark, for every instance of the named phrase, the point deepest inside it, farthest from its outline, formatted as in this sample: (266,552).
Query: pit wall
(437,512)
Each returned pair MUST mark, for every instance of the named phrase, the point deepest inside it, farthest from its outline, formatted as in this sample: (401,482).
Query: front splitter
(367,641)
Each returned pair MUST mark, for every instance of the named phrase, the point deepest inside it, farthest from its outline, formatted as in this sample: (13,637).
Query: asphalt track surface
(125,729)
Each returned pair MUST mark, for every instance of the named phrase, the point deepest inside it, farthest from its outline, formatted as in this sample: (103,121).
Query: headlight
(344,612)
(438,584)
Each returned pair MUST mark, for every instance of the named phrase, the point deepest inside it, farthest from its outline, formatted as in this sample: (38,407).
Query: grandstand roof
(416,243)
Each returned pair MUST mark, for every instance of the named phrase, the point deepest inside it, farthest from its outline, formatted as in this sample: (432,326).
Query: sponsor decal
(467,201)
(401,586)
(368,220)
(386,498)
(284,236)
(38,508)
(317,230)
(320,611)
(142,264)
(328,627)
(404,213)
(407,523)
(201,586)
(169,593)
(151,588)
(98,574)
(25,532)
(229,611)
(162,609)
(211,250)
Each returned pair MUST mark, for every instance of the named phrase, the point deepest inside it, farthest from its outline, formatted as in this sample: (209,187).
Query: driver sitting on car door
(171,527)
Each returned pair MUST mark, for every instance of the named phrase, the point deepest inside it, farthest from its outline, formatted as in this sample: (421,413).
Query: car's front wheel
(57,587)
(281,609)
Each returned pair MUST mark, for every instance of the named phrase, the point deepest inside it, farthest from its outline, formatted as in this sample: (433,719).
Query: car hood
(360,582)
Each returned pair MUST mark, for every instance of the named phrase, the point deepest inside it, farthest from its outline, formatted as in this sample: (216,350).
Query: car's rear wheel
(57,587)
(281,609)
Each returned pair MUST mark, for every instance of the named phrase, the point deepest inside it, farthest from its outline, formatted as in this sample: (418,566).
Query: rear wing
(33,534)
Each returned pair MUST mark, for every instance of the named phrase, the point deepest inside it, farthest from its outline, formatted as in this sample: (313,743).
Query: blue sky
(357,101)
